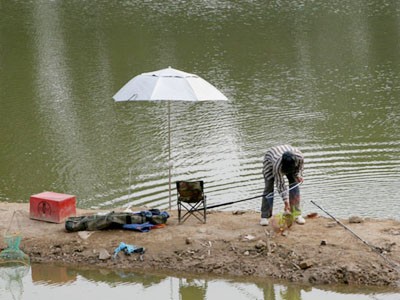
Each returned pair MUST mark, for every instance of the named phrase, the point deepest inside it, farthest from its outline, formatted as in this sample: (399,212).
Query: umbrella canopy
(171,85)
(168,84)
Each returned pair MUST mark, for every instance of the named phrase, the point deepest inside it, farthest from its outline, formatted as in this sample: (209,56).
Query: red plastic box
(52,207)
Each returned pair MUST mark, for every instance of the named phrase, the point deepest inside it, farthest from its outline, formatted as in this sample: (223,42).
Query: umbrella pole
(169,153)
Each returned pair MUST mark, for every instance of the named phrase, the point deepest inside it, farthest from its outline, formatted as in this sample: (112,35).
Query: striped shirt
(273,163)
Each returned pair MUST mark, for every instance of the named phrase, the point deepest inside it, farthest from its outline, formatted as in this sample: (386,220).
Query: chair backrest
(190,191)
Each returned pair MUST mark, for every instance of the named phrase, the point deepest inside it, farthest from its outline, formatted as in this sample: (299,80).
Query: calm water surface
(55,282)
(320,75)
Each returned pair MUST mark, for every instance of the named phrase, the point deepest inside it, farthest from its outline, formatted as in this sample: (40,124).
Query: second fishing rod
(255,197)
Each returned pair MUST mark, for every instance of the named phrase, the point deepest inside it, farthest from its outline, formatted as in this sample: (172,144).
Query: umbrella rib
(191,88)
(154,89)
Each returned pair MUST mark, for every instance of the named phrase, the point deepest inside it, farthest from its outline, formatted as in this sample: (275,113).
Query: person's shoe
(300,220)
(264,222)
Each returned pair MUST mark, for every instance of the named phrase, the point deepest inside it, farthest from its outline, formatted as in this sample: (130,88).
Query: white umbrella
(171,85)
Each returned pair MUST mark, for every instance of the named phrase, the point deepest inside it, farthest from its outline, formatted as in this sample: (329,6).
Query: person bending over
(280,161)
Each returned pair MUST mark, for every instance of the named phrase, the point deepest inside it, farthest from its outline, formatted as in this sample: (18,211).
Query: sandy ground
(230,244)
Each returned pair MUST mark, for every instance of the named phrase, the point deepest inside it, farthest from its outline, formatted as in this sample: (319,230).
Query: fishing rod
(251,198)
(393,264)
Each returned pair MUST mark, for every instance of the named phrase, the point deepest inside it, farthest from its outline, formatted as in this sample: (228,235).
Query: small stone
(246,253)
(312,279)
(323,243)
(261,245)
(305,264)
(188,241)
(103,254)
(248,237)
(84,235)
(355,219)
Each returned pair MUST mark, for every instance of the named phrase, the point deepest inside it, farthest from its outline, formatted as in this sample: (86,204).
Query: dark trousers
(267,201)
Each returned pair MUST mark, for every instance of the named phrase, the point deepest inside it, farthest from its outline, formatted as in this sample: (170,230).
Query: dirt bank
(319,252)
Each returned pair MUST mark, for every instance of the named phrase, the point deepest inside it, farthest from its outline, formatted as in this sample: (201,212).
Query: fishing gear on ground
(12,254)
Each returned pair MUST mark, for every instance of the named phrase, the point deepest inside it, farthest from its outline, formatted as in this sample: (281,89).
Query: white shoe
(300,220)
(264,222)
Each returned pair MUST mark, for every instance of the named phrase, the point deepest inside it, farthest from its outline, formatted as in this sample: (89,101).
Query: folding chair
(191,198)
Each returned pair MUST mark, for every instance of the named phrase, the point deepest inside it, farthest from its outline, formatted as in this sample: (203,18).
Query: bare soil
(229,244)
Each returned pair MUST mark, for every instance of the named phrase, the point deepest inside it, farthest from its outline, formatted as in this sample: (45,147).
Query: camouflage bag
(101,222)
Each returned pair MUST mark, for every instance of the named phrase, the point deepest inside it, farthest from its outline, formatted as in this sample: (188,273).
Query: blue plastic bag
(128,249)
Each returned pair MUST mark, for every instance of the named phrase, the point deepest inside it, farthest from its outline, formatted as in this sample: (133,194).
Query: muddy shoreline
(231,244)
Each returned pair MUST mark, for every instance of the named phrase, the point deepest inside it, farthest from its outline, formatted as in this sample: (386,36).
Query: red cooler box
(52,207)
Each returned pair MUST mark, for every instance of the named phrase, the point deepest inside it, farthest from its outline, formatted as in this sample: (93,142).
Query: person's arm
(281,186)
(286,208)
(299,174)
(280,180)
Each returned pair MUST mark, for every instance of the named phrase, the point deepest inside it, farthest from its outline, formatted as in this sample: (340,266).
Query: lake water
(321,75)
(48,282)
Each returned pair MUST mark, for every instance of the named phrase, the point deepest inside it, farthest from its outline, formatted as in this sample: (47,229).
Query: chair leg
(192,210)
(179,212)
(205,210)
